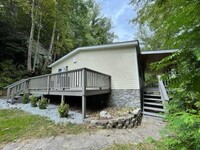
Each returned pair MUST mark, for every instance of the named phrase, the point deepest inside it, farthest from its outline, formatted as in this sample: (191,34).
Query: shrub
(33,101)
(43,103)
(25,98)
(63,110)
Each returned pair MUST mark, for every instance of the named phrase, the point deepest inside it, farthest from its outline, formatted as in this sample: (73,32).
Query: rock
(104,114)
(93,122)
(119,126)
(135,112)
(130,126)
(127,123)
(133,121)
(109,126)
(124,127)
(103,123)
(113,122)
(121,121)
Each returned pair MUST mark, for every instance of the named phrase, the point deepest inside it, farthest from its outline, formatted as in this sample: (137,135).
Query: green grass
(16,124)
(149,144)
(140,146)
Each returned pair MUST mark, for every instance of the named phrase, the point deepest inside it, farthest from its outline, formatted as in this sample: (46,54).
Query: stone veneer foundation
(125,98)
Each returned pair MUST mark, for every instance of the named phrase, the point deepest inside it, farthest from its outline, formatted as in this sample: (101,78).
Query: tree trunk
(37,44)
(50,47)
(30,46)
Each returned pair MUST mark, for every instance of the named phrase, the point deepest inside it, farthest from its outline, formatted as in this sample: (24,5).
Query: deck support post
(62,99)
(84,84)
(12,96)
(83,107)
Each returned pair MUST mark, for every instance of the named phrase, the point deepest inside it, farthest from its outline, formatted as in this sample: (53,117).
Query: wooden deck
(81,82)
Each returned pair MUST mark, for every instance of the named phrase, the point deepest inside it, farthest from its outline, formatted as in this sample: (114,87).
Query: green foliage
(184,131)
(79,23)
(43,103)
(151,79)
(10,72)
(173,23)
(25,98)
(177,26)
(63,110)
(33,101)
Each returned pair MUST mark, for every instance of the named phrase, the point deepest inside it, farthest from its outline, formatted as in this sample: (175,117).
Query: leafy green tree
(175,24)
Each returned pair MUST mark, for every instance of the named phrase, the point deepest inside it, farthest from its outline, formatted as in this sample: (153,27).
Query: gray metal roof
(158,52)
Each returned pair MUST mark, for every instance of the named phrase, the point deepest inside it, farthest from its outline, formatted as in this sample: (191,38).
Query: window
(74,60)
(60,70)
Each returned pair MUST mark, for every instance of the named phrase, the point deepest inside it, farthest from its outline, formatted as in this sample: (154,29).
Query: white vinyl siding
(121,64)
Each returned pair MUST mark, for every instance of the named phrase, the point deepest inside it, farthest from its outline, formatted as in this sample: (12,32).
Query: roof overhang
(98,47)
(158,52)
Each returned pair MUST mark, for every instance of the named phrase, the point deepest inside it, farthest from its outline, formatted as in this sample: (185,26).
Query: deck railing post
(27,86)
(48,83)
(8,93)
(84,84)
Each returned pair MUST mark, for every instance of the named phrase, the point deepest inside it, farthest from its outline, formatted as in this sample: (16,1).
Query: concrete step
(155,104)
(152,99)
(154,109)
(153,114)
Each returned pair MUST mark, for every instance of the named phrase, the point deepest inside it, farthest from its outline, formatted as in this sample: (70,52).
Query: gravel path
(51,112)
(96,140)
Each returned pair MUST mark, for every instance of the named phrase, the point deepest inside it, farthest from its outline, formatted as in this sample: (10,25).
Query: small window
(60,70)
(74,60)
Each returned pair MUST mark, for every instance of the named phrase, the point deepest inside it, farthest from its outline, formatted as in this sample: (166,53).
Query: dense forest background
(34,33)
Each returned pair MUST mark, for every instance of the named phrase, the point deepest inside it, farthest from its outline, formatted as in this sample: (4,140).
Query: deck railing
(162,89)
(74,80)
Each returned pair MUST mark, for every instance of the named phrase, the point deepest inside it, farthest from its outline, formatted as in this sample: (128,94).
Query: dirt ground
(100,139)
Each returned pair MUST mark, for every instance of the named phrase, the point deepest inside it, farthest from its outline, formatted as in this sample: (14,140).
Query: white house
(119,60)
(116,69)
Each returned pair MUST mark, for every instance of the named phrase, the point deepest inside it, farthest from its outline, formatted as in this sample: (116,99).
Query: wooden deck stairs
(153,105)
(155,99)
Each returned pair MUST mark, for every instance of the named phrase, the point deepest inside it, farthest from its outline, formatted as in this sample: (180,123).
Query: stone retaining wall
(130,121)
